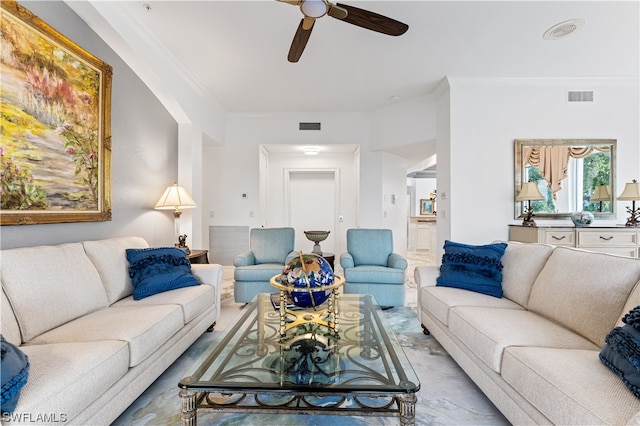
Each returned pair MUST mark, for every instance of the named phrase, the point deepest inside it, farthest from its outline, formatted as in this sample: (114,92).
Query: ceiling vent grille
(580,96)
(309,126)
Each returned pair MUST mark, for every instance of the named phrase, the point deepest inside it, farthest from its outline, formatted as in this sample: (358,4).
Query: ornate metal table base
(318,365)
(300,403)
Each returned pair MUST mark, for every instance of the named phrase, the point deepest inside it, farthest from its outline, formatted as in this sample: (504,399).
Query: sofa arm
(346,261)
(397,262)
(210,274)
(426,275)
(244,259)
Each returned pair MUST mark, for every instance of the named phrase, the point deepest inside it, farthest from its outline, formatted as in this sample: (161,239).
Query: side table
(198,256)
(329,257)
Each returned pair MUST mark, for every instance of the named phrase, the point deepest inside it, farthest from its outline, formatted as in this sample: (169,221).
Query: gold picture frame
(426,206)
(56,125)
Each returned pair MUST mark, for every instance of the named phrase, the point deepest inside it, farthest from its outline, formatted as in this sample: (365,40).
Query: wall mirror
(571,175)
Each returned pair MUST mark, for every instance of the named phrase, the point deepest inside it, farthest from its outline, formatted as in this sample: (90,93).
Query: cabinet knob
(609,238)
(560,238)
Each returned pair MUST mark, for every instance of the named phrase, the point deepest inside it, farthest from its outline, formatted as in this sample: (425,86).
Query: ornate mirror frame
(585,146)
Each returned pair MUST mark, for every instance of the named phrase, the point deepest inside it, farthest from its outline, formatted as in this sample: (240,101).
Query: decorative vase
(316,237)
(582,218)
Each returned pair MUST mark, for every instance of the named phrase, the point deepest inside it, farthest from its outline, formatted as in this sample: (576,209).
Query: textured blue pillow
(621,353)
(15,370)
(154,270)
(475,268)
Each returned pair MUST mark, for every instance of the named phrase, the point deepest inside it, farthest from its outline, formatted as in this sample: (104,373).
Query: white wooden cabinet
(615,239)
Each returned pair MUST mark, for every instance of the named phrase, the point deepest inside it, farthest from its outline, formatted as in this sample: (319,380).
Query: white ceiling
(236,51)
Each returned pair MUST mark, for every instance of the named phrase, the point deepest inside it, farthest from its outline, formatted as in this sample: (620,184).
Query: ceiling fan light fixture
(314,8)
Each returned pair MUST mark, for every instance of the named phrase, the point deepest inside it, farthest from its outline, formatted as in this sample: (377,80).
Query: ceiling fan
(314,9)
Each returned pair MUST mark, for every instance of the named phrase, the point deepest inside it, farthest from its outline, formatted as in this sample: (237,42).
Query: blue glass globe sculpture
(308,271)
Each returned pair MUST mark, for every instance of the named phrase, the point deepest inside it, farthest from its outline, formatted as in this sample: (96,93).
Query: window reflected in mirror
(571,174)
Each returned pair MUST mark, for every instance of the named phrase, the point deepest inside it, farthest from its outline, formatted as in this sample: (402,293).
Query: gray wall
(144,151)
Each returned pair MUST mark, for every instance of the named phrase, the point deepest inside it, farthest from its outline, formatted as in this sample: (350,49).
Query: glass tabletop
(361,355)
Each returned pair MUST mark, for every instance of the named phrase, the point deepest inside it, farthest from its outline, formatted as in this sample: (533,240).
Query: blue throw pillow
(15,370)
(621,352)
(154,270)
(475,268)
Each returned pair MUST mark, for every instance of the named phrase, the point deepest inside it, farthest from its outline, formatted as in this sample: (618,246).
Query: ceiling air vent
(309,126)
(580,96)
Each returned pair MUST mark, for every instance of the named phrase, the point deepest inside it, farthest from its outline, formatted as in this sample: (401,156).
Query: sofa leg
(210,329)
(425,330)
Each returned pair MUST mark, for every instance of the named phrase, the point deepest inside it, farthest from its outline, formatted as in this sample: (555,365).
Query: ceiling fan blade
(337,11)
(300,39)
(372,21)
(292,2)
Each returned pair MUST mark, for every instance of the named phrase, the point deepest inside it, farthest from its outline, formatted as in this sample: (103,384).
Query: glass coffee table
(357,368)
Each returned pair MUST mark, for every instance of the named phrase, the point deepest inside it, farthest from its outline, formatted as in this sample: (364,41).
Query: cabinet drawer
(560,238)
(620,251)
(604,238)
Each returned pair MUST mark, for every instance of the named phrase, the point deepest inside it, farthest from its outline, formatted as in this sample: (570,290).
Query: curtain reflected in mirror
(572,175)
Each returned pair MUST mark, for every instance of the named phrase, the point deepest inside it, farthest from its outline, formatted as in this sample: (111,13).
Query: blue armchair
(270,250)
(371,267)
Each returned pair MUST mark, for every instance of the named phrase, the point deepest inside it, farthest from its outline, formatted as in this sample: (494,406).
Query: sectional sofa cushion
(10,328)
(569,386)
(192,300)
(144,328)
(154,270)
(475,268)
(439,300)
(42,300)
(67,377)
(522,264)
(487,331)
(583,278)
(110,259)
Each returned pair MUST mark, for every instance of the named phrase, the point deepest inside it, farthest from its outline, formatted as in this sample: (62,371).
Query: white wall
(144,152)
(486,117)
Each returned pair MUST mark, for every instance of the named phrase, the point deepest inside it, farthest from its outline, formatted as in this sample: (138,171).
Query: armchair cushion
(370,246)
(374,274)
(271,245)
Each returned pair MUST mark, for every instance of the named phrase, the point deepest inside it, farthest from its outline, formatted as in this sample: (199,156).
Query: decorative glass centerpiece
(308,281)
(582,218)
(316,237)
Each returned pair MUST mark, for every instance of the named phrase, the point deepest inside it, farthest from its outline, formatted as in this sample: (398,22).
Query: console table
(618,240)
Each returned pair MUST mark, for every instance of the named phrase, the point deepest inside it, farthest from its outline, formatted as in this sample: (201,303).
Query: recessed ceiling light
(311,150)
(563,29)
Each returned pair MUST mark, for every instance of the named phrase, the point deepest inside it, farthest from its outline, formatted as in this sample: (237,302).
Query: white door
(312,207)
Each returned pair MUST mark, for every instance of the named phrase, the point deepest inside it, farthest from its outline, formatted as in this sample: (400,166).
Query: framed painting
(426,206)
(55,115)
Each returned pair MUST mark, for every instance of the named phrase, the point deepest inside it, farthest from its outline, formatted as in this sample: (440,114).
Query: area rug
(447,396)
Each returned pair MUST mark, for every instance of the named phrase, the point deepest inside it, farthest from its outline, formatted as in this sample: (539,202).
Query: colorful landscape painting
(54,124)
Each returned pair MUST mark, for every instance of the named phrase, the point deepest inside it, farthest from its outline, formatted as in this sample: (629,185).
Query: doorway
(312,205)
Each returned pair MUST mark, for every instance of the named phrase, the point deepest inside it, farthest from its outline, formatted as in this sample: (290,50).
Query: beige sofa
(92,348)
(534,352)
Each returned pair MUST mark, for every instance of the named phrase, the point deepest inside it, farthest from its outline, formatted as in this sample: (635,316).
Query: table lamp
(631,193)
(529,192)
(600,194)
(175,198)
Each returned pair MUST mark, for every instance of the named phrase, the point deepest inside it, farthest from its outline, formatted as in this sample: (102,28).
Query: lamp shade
(175,197)
(529,191)
(631,191)
(601,193)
